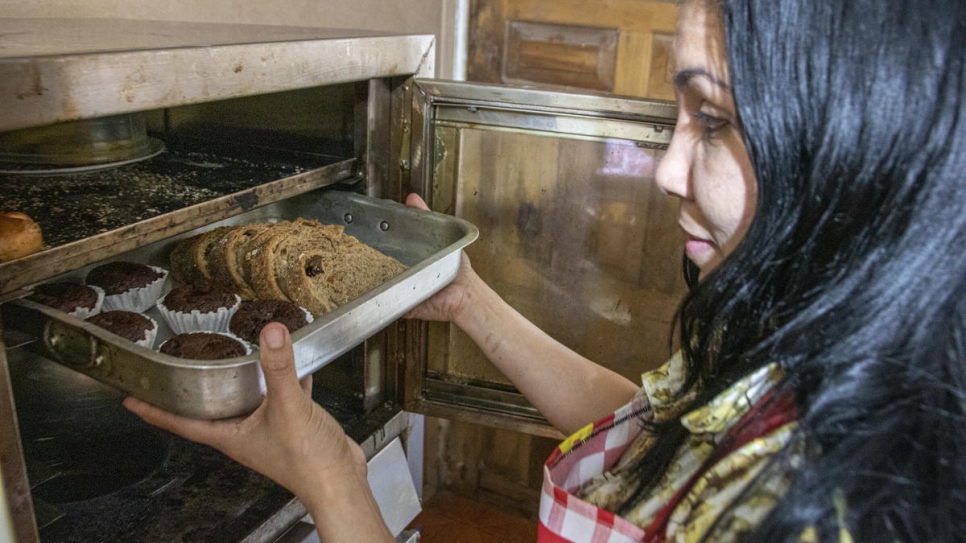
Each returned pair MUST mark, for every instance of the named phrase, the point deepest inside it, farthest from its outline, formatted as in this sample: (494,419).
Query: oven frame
(43,81)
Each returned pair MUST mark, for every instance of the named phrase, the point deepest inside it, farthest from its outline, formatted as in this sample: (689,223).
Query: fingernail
(274,338)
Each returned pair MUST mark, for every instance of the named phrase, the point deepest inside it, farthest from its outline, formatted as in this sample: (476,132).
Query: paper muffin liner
(84,312)
(152,335)
(245,344)
(182,322)
(137,300)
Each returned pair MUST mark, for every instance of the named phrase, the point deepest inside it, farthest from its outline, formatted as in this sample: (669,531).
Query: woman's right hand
(295,442)
(450,302)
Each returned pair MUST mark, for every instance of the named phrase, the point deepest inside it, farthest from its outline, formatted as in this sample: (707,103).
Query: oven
(121,138)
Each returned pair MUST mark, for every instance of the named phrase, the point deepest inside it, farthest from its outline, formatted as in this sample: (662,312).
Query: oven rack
(92,216)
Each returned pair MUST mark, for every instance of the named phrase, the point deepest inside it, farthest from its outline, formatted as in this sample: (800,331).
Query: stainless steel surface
(77,146)
(536,100)
(54,70)
(429,243)
(56,402)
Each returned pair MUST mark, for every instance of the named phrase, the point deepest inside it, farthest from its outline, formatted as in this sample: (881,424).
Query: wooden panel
(484,44)
(640,66)
(632,77)
(555,54)
(660,82)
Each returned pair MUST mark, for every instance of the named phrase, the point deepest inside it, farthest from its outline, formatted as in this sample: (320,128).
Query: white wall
(403,16)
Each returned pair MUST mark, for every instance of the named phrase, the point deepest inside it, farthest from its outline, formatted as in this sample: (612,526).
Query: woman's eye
(709,124)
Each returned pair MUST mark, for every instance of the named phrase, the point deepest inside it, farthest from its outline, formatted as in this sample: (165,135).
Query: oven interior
(97,473)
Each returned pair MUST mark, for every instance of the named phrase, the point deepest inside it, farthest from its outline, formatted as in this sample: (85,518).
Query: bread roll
(19,236)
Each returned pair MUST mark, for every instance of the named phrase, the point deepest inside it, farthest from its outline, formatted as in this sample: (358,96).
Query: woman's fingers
(202,431)
(306,383)
(414,200)
(278,364)
(283,391)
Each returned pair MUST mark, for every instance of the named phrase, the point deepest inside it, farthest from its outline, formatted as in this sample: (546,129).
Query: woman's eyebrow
(683,77)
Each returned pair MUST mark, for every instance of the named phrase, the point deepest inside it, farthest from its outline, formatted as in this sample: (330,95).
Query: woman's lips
(698,249)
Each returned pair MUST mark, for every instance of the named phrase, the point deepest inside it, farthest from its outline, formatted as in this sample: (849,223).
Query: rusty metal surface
(13,471)
(94,216)
(55,70)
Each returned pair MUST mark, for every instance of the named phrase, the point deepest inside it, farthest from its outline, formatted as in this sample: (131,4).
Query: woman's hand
(448,303)
(294,442)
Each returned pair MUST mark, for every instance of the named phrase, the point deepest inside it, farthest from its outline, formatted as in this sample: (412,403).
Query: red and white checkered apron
(584,455)
(593,450)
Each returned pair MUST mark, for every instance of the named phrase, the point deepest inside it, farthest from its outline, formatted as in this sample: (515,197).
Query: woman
(819,394)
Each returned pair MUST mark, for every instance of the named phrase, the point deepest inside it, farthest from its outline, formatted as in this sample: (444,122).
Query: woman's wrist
(478,298)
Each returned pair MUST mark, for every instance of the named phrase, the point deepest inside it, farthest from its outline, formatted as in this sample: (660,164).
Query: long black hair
(852,275)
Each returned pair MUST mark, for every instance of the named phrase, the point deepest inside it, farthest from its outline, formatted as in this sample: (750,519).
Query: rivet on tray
(145,383)
(98,361)
(347,217)
(384,226)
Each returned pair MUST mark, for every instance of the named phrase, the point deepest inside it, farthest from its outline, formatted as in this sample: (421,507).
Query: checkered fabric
(586,454)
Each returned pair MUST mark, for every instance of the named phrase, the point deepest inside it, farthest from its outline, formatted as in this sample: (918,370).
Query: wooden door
(613,46)
(574,234)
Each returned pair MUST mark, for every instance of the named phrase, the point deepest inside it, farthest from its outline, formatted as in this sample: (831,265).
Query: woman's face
(706,166)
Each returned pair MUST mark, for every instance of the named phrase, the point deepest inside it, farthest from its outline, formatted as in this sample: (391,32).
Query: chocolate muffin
(135,327)
(128,286)
(199,307)
(252,316)
(75,299)
(204,346)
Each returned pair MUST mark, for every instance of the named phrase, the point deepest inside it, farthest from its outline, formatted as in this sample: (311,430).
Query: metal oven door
(574,234)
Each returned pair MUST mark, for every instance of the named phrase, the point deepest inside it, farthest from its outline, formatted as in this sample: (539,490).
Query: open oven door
(574,234)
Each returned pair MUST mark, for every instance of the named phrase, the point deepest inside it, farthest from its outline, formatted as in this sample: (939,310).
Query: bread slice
(189,258)
(321,267)
(226,260)
(309,238)
(182,261)
(216,266)
(258,268)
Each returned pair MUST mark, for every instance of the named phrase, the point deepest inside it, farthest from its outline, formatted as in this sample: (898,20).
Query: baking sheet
(429,243)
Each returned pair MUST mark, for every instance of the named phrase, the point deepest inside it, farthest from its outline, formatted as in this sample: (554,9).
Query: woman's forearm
(345,511)
(568,389)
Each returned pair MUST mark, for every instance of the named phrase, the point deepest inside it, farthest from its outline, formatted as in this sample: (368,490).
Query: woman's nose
(674,169)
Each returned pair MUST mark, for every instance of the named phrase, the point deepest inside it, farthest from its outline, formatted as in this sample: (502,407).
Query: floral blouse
(587,477)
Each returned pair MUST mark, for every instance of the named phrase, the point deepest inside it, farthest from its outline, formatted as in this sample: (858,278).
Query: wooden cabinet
(614,46)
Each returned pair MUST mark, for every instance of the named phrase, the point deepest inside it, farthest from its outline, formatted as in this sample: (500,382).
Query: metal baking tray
(429,243)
